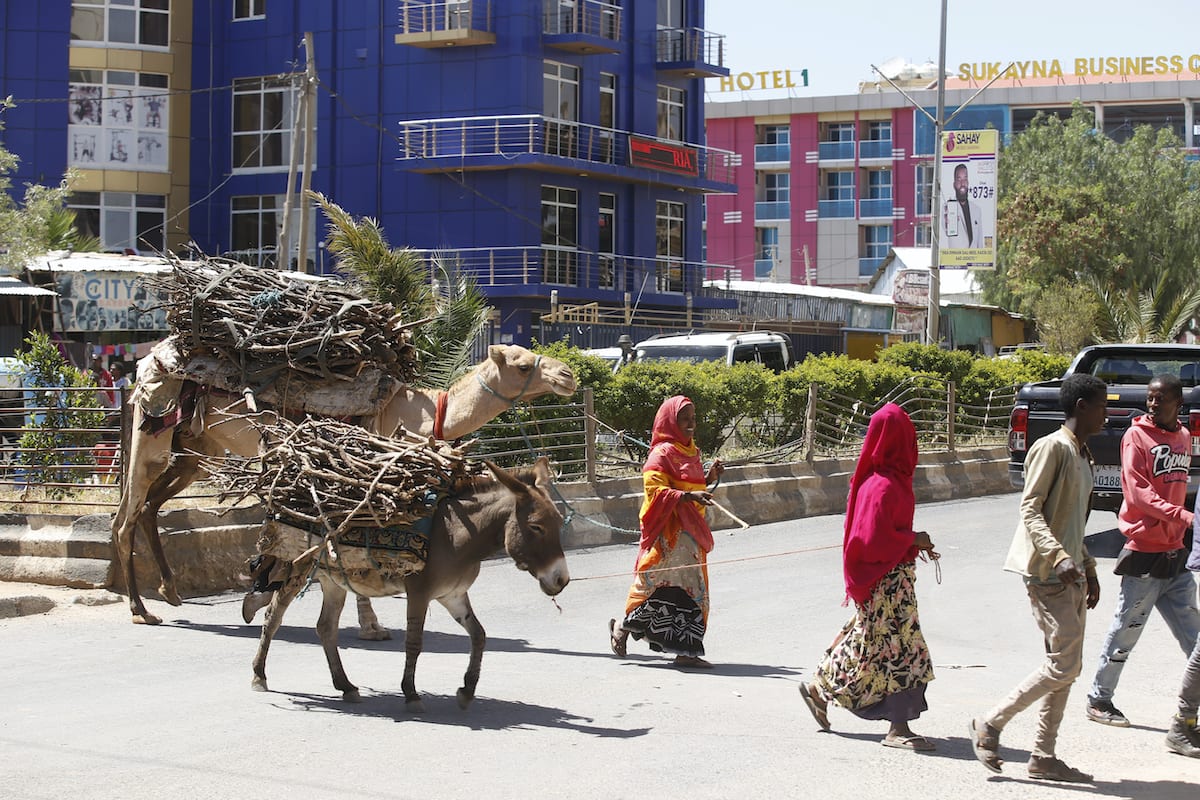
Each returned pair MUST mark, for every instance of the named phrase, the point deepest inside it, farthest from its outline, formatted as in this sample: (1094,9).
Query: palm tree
(453,307)
(1156,315)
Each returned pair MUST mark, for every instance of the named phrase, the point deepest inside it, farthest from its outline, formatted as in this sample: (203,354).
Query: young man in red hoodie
(1155,457)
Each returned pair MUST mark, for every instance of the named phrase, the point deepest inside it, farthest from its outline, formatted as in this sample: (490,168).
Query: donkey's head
(532,537)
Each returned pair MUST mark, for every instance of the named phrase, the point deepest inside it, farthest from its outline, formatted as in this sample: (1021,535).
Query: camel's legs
(182,472)
(149,459)
(459,606)
(333,600)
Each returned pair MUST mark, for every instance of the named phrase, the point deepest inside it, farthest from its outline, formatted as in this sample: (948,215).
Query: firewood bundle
(327,476)
(267,322)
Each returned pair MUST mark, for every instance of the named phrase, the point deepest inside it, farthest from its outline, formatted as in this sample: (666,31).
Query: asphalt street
(92,706)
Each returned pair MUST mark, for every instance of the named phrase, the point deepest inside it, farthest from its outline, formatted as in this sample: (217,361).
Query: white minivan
(772,350)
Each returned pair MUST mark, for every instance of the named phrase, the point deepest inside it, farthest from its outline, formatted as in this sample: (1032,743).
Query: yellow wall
(865,346)
(1006,330)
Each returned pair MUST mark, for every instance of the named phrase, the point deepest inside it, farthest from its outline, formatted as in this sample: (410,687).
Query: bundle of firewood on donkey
(359,501)
(285,338)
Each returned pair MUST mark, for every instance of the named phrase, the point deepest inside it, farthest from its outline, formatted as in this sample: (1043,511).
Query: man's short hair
(1170,384)
(1079,387)
(963,167)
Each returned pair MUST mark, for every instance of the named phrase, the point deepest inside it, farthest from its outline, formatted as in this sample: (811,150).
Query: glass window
(121,220)
(607,243)
(264,110)
(879,184)
(671,107)
(838,132)
(560,235)
(767,241)
(249,9)
(253,228)
(877,239)
(839,185)
(560,101)
(776,187)
(879,131)
(668,227)
(121,22)
(608,100)
(924,190)
(774,134)
(117,120)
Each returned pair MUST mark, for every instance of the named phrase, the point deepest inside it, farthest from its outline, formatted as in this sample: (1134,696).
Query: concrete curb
(207,549)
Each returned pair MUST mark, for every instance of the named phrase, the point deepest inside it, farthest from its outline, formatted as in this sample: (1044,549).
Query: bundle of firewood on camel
(358,502)
(286,339)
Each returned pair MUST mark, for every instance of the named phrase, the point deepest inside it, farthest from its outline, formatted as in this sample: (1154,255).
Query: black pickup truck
(1127,369)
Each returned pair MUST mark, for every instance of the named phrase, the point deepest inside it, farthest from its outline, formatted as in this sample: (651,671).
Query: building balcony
(875,207)
(446,23)
(867,266)
(835,151)
(764,269)
(690,53)
(587,27)
(530,141)
(772,210)
(876,148)
(530,271)
(835,209)
(772,154)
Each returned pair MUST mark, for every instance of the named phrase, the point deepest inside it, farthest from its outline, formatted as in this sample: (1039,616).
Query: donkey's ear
(496,353)
(541,473)
(505,477)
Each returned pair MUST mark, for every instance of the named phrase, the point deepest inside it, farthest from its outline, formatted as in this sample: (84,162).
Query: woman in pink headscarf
(668,602)
(878,665)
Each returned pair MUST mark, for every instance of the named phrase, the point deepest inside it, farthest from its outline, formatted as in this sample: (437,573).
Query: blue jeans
(1175,599)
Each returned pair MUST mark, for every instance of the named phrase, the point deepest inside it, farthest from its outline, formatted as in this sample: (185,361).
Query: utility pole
(283,249)
(310,116)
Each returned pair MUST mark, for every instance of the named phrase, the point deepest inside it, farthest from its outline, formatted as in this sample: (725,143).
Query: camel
(160,466)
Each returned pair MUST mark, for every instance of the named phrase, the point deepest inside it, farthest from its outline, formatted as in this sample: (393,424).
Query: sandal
(615,642)
(820,711)
(692,661)
(985,741)
(913,742)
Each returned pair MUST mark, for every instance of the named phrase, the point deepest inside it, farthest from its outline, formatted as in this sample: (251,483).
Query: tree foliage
(1077,208)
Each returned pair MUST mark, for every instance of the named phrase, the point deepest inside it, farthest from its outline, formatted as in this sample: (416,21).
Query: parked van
(772,350)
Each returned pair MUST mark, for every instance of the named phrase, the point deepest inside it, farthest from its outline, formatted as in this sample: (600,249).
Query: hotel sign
(663,156)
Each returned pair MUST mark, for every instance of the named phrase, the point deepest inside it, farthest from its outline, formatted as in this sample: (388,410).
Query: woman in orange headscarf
(878,665)
(668,601)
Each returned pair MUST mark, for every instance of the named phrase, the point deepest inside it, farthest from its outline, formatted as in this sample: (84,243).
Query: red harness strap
(439,416)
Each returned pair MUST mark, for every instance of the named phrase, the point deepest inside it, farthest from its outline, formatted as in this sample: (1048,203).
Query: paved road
(94,707)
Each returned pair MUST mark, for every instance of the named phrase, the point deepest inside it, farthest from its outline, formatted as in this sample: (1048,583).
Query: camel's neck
(470,406)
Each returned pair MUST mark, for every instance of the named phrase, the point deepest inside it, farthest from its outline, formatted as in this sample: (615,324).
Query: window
(924,190)
(121,220)
(118,22)
(839,132)
(922,234)
(254,229)
(776,186)
(608,116)
(263,113)
(775,134)
(839,185)
(117,120)
(671,105)
(879,131)
(249,9)
(560,101)
(877,239)
(879,184)
(560,235)
(670,34)
(607,243)
(668,228)
(767,247)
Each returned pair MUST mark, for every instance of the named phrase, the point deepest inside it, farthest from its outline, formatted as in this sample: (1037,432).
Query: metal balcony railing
(430,16)
(691,46)
(587,17)
(459,139)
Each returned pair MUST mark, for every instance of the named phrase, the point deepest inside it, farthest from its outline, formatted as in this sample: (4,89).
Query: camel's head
(521,374)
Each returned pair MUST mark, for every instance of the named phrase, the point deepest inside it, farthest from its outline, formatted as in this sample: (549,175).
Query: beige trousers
(1060,610)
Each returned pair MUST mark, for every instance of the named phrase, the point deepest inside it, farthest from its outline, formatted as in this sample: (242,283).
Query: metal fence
(580,446)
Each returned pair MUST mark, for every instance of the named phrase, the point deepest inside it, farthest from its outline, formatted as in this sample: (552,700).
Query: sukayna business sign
(1106,66)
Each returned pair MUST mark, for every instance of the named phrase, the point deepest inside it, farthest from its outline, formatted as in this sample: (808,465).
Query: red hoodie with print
(1154,480)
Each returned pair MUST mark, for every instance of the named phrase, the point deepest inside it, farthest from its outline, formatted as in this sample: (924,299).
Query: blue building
(552,149)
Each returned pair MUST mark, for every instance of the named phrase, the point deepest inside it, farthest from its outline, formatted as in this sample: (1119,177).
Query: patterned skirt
(668,601)
(879,665)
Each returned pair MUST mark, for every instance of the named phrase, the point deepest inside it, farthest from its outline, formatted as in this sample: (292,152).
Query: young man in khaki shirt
(1060,577)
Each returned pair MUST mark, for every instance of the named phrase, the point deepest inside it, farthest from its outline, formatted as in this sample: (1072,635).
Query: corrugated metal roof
(63,261)
(13,287)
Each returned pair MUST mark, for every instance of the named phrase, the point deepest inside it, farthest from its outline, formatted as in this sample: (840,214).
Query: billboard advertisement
(967,237)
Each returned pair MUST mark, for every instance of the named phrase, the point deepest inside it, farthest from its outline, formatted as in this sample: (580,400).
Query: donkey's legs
(368,624)
(459,606)
(333,599)
(271,622)
(414,636)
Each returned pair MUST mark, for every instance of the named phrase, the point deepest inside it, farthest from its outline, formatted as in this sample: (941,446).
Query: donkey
(510,510)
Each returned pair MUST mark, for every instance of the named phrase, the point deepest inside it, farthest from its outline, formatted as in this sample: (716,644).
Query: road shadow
(485,713)
(721,668)
(1159,790)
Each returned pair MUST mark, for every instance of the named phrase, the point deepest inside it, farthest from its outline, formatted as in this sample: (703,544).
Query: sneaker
(1104,712)
(1043,768)
(1183,738)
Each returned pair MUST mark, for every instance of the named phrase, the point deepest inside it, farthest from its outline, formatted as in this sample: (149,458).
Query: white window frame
(249,9)
(118,119)
(107,8)
(881,190)
(119,213)
(560,245)
(669,215)
(777,187)
(873,248)
(262,86)
(607,256)
(839,189)
(671,105)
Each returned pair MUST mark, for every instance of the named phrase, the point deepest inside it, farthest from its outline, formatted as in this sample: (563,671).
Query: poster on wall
(93,302)
(968,215)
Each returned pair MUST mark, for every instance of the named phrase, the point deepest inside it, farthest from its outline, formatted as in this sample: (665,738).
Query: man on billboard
(962,219)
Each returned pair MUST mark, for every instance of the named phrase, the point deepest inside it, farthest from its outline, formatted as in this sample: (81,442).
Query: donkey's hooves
(414,707)
(464,698)
(259,684)
(170,595)
(352,696)
(374,633)
(146,618)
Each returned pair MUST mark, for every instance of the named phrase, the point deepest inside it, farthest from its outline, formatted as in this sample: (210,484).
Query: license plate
(1107,476)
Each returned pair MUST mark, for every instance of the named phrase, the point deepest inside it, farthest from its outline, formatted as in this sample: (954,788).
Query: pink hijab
(880,508)
(676,455)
